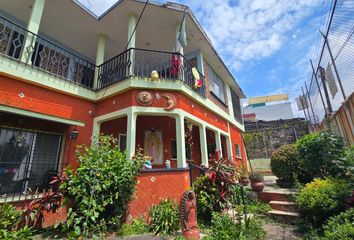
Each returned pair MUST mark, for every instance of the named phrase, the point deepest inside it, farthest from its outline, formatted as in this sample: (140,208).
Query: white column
(203,145)
(95,131)
(218,142)
(32,26)
(101,47)
(229,147)
(132,40)
(180,141)
(131,134)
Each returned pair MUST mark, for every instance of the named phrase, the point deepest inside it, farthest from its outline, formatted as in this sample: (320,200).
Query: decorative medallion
(144,98)
(171,101)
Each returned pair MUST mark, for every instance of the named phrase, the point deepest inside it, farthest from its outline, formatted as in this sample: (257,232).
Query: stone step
(273,196)
(283,206)
(284,216)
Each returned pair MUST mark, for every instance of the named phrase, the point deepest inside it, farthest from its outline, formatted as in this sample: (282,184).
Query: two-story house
(67,75)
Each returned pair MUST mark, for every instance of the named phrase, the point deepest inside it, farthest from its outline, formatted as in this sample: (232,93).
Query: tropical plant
(10,227)
(340,227)
(9,217)
(285,162)
(164,218)
(101,187)
(214,190)
(318,152)
(49,201)
(138,226)
(321,199)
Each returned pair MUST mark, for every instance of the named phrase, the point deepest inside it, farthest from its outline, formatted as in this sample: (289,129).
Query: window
(28,160)
(236,105)
(122,142)
(174,150)
(216,84)
(211,147)
(238,151)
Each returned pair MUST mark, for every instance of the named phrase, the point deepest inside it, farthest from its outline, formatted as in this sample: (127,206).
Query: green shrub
(340,227)
(10,221)
(101,187)
(164,218)
(223,227)
(346,164)
(24,233)
(318,152)
(285,162)
(9,217)
(322,199)
(138,226)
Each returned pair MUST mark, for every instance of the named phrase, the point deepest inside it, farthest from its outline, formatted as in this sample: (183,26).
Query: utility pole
(308,94)
(323,78)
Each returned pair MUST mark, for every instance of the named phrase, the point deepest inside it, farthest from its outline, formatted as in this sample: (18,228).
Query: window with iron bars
(28,160)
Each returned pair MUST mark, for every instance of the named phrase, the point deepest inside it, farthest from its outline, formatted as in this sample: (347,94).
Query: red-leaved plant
(49,201)
(223,173)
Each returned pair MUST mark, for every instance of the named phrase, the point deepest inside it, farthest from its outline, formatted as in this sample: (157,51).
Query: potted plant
(257,183)
(244,179)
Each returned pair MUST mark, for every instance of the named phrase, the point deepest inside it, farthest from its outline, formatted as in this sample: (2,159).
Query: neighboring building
(269,126)
(270,112)
(67,75)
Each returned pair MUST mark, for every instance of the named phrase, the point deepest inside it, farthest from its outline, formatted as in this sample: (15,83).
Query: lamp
(74,134)
(154,75)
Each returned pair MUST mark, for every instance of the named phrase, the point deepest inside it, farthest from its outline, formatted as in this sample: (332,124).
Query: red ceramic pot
(257,186)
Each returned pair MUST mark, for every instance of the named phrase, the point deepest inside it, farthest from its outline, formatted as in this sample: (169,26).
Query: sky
(266,44)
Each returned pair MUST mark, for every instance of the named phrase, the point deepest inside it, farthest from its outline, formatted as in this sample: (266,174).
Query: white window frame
(238,151)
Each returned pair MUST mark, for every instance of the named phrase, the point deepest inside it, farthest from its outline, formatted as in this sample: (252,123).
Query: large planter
(284,183)
(244,181)
(257,186)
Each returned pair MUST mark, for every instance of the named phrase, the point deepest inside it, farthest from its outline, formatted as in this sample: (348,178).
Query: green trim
(40,116)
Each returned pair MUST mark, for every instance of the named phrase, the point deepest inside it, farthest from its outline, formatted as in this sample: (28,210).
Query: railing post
(33,27)
(101,46)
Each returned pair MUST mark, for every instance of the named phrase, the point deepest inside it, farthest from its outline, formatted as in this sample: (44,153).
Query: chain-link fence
(328,95)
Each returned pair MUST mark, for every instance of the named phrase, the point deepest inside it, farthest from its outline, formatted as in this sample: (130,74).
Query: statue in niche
(153,146)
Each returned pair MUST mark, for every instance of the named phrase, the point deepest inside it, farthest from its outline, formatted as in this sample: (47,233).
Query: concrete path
(276,231)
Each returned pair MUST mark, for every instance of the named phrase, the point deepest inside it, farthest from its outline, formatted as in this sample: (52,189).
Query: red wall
(41,100)
(153,187)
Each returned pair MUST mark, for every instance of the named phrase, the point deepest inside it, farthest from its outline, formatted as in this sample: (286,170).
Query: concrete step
(273,196)
(284,216)
(283,206)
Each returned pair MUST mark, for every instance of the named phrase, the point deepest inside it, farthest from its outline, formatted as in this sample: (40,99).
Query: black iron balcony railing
(19,43)
(136,62)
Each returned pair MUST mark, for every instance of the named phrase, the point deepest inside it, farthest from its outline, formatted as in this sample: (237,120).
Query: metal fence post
(334,64)
(308,112)
(323,78)
(319,88)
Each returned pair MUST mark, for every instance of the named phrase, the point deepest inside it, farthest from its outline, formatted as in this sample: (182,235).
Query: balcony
(22,45)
